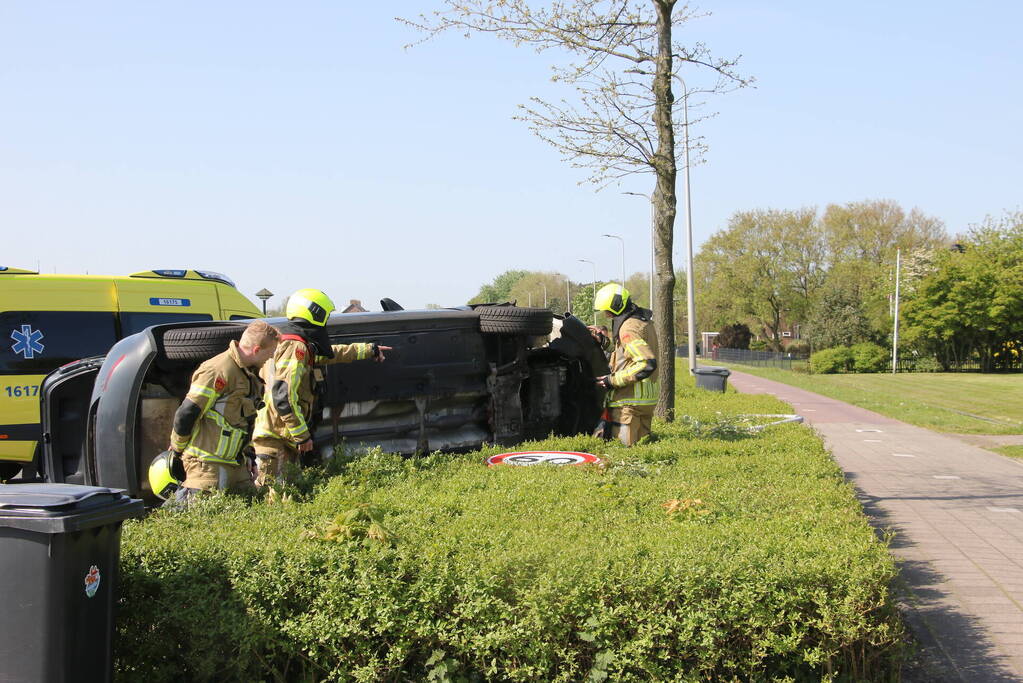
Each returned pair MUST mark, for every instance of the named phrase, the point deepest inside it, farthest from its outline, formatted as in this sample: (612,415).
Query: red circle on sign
(521,458)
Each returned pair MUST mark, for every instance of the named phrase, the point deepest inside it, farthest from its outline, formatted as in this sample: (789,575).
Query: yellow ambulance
(49,320)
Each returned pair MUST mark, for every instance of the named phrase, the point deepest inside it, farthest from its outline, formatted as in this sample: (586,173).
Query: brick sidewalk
(957,513)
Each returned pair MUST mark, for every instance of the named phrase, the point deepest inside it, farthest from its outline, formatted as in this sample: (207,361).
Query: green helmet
(165,475)
(612,297)
(310,304)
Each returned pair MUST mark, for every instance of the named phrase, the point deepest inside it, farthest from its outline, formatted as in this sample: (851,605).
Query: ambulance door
(45,322)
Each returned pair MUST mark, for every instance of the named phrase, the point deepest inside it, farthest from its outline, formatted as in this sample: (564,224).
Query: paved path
(957,513)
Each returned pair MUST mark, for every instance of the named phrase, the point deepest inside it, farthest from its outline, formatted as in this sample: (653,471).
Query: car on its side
(455,380)
(48,320)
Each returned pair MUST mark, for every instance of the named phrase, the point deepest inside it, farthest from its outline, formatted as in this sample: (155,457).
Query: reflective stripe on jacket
(633,365)
(213,421)
(291,378)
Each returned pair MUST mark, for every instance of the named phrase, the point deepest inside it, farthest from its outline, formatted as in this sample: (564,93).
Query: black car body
(455,379)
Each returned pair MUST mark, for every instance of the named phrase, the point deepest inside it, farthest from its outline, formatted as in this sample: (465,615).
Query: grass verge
(707,554)
(962,403)
(1011,451)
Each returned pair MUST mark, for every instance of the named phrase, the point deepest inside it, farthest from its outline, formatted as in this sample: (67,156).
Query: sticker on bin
(92,581)
(543,458)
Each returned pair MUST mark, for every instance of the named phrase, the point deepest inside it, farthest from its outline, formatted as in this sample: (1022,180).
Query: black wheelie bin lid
(63,508)
(711,370)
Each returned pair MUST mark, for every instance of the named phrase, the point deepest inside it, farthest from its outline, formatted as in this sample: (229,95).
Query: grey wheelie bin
(59,550)
(712,377)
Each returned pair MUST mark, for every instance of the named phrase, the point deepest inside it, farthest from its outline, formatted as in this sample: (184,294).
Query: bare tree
(623,62)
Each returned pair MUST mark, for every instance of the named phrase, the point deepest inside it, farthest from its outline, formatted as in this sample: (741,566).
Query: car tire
(199,343)
(515,320)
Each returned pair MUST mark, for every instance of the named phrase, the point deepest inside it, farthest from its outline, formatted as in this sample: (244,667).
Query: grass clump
(705,554)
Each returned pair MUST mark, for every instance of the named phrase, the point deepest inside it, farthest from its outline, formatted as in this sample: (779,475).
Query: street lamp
(690,294)
(544,284)
(594,287)
(653,232)
(264,294)
(895,322)
(616,237)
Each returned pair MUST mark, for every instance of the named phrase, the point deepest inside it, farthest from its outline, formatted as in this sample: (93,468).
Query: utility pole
(895,323)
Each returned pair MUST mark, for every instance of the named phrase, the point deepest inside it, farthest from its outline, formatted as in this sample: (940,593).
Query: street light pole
(544,294)
(618,237)
(594,287)
(895,328)
(690,293)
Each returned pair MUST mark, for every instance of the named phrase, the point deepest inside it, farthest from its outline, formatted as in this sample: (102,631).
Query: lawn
(961,402)
(708,554)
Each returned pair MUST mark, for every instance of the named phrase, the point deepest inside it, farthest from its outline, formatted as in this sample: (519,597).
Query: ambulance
(50,320)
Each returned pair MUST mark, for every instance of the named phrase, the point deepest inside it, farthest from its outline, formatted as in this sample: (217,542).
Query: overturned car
(455,379)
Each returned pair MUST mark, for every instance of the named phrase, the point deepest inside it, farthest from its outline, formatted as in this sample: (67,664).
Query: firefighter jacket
(291,377)
(214,420)
(633,362)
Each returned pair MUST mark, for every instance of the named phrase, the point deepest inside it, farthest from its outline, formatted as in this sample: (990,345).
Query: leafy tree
(836,319)
(582,304)
(735,336)
(972,304)
(862,238)
(500,289)
(625,61)
(763,268)
(532,287)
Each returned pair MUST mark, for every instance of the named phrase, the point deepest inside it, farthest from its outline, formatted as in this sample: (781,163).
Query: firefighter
(632,385)
(214,422)
(283,430)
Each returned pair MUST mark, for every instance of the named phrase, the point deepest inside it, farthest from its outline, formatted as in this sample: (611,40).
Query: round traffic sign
(543,458)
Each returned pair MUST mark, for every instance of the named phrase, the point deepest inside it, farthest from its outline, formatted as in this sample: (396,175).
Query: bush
(758,345)
(798,348)
(838,359)
(869,357)
(926,364)
(735,336)
(709,554)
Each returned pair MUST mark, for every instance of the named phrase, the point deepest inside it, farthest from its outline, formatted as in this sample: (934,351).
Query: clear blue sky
(298,144)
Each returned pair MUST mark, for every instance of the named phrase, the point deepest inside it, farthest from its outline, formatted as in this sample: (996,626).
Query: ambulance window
(136,322)
(241,317)
(35,342)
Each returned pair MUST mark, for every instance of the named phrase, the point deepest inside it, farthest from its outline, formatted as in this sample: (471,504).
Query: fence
(928,364)
(771,359)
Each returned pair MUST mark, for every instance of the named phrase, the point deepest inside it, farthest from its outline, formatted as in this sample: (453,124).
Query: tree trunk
(665,202)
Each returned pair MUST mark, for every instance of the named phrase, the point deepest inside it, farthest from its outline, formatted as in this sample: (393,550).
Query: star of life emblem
(27,342)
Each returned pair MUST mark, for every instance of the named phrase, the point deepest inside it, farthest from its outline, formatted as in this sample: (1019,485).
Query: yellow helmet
(612,297)
(165,475)
(310,304)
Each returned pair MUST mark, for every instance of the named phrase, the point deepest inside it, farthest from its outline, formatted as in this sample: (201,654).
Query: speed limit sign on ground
(543,458)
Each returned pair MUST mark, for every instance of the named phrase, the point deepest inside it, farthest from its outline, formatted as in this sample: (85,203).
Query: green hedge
(828,361)
(708,553)
(869,357)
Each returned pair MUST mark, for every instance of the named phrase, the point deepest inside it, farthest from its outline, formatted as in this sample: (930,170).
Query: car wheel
(515,320)
(199,343)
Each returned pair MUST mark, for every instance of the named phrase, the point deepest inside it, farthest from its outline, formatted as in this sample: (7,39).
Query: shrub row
(710,553)
(863,357)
